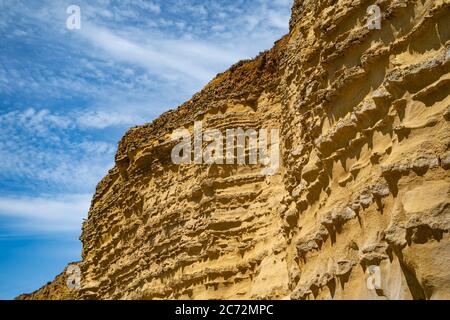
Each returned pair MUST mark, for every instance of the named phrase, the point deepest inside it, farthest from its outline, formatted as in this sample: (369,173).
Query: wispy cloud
(37,215)
(151,59)
(102,119)
(173,59)
(47,147)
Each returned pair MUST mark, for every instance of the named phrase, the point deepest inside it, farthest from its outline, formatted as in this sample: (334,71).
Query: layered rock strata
(363,182)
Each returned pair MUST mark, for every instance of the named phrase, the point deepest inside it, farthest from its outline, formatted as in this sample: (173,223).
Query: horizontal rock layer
(364,119)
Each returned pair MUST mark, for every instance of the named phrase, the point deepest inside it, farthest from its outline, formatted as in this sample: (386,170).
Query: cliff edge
(359,206)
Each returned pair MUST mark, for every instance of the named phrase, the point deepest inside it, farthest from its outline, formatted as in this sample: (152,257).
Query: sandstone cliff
(364,119)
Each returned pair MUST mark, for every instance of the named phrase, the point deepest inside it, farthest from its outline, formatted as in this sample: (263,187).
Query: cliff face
(363,186)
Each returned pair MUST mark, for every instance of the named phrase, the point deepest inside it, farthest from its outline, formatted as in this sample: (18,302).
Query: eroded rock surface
(363,181)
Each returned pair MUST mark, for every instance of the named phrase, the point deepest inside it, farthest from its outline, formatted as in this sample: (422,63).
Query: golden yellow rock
(363,189)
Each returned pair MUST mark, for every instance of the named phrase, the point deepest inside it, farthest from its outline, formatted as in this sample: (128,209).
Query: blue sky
(67,96)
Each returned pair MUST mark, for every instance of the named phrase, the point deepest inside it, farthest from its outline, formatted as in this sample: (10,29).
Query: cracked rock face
(363,181)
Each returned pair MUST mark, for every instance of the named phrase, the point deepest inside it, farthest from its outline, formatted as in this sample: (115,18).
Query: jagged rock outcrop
(363,179)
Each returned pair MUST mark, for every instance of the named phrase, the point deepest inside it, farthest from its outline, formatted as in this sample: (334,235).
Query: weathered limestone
(363,181)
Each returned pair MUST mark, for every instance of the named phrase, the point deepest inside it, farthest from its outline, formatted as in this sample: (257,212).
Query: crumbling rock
(363,181)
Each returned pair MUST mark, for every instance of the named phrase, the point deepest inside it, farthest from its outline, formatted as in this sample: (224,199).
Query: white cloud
(102,119)
(166,59)
(58,213)
(148,5)
(278,20)
(97,147)
(44,147)
(42,121)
